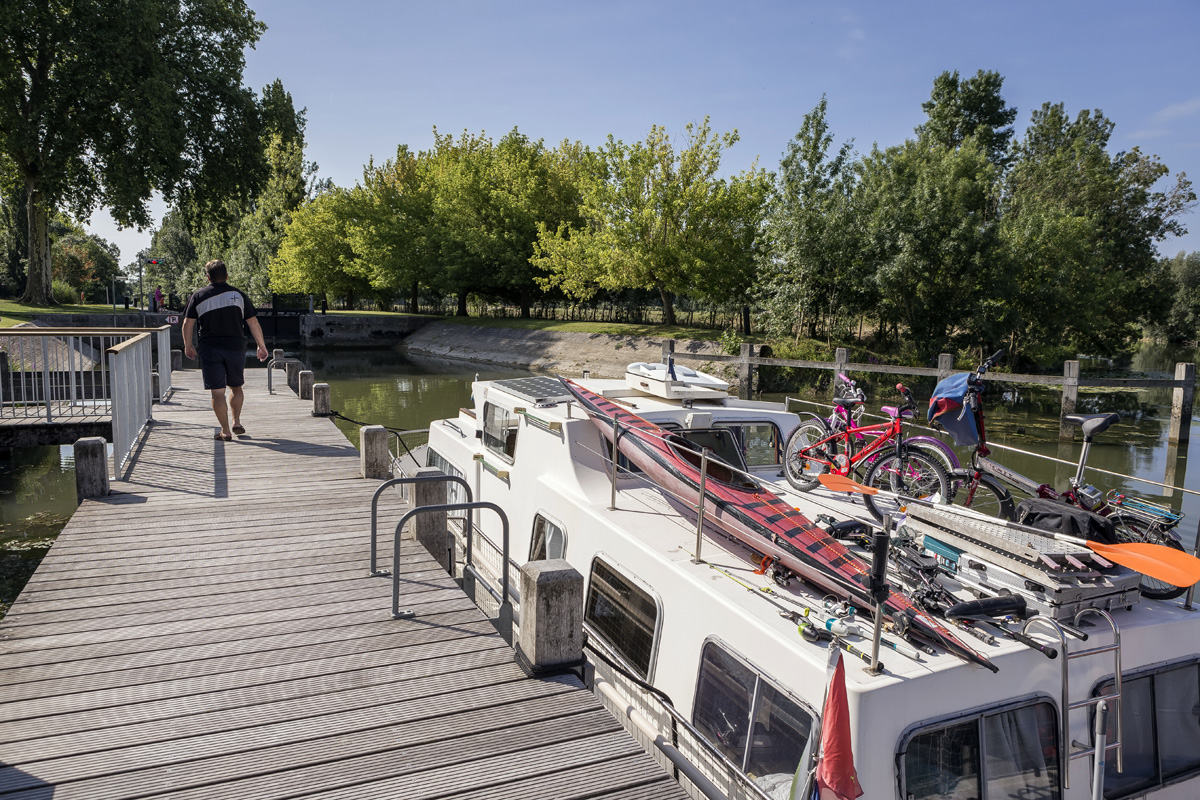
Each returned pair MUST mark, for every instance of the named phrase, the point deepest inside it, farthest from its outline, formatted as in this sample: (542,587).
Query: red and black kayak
(756,516)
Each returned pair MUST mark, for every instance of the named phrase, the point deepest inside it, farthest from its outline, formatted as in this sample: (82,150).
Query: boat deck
(209,630)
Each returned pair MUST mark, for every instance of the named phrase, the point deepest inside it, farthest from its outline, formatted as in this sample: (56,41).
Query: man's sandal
(239,430)
(220,437)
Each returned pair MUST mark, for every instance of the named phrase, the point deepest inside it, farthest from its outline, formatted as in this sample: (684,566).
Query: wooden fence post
(841,357)
(1181,404)
(1070,394)
(746,372)
(945,365)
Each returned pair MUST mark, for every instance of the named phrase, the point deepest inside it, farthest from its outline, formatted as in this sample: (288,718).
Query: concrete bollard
(321,402)
(176,360)
(293,376)
(551,616)
(91,468)
(373,452)
(306,384)
(277,357)
(154,392)
(430,529)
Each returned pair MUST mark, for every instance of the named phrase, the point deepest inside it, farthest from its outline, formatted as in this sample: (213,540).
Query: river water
(381,386)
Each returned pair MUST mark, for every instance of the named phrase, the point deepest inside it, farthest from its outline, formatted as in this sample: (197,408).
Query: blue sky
(374,75)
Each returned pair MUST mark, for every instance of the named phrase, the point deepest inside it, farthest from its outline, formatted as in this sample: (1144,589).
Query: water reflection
(37,497)
(386,387)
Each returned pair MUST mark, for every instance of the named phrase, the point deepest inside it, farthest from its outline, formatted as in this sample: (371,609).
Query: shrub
(64,294)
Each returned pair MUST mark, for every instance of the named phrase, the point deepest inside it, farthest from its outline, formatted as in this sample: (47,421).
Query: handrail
(396,482)
(37,330)
(505,620)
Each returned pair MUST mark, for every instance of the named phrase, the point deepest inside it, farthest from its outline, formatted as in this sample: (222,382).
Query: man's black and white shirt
(221,311)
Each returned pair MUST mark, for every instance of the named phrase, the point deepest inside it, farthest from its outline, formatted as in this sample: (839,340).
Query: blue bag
(946,409)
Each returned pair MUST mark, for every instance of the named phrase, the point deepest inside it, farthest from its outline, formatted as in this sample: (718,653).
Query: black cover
(1058,517)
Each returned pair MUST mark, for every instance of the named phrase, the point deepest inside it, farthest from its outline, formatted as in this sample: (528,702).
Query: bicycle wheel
(941,452)
(908,472)
(1134,529)
(804,457)
(991,498)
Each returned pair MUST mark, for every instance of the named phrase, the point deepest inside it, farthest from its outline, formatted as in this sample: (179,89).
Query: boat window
(728,694)
(500,428)
(1161,722)
(455,492)
(621,614)
(993,756)
(760,442)
(721,441)
(688,443)
(625,466)
(549,540)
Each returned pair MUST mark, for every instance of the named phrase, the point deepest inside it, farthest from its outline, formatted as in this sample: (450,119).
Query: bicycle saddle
(1092,423)
(893,412)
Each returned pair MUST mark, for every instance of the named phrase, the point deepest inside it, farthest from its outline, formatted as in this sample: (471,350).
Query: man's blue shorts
(222,366)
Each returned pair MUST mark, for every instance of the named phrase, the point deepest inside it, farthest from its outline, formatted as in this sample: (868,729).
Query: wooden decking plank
(210,629)
(451,623)
(62,764)
(493,771)
(156,719)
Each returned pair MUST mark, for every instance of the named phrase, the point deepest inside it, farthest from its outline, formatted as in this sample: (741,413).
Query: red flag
(836,777)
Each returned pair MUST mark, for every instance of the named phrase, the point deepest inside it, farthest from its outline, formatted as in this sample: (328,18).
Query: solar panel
(539,389)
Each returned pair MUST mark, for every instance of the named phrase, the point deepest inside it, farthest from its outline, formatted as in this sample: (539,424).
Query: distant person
(221,310)
(158,298)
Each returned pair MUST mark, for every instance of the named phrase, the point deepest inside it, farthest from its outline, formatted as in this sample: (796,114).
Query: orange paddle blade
(840,483)
(1164,563)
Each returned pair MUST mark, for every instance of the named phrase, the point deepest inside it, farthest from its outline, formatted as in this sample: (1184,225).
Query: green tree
(1182,322)
(808,267)
(930,243)
(958,110)
(652,219)
(315,255)
(179,270)
(84,261)
(102,103)
(1080,226)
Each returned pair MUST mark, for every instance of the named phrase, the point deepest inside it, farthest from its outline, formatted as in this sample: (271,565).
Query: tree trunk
(526,301)
(37,268)
(668,302)
(745,320)
(462,305)
(413,298)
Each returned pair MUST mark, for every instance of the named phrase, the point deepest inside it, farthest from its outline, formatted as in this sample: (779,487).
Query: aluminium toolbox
(1057,578)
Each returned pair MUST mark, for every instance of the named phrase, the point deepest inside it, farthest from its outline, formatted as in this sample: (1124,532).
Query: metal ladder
(1076,749)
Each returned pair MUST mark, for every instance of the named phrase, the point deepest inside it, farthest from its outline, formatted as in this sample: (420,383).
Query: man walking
(220,310)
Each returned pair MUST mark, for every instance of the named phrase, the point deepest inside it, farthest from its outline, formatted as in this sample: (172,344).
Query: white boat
(674,382)
(722,641)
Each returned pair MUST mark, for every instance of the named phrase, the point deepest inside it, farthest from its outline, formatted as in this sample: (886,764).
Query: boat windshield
(724,452)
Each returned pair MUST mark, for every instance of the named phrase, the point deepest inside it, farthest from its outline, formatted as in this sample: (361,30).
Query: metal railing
(52,375)
(132,395)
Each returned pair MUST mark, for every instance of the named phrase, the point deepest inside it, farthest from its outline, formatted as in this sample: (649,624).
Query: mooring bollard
(293,375)
(306,384)
(430,529)
(91,468)
(551,616)
(176,359)
(373,452)
(322,406)
(277,357)
(154,392)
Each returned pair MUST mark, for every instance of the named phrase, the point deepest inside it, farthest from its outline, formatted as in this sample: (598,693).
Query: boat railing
(664,732)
